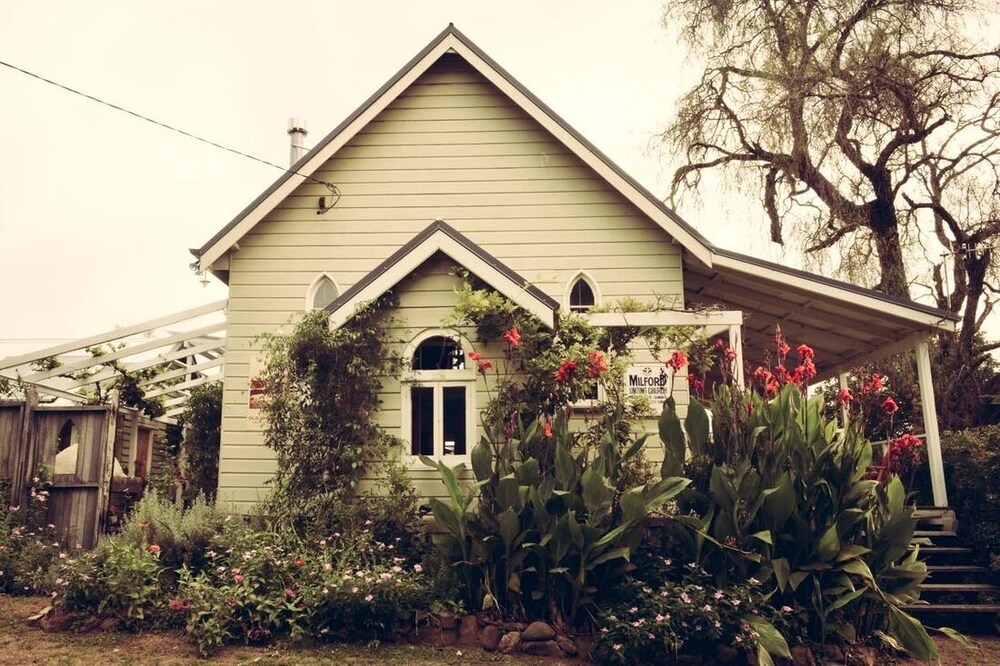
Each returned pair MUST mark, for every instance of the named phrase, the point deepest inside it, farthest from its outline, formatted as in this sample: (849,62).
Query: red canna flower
(547,430)
(889,406)
(475,356)
(806,371)
(845,396)
(783,349)
(598,364)
(484,366)
(719,344)
(761,373)
(513,337)
(677,360)
(697,385)
(566,370)
(805,352)
(729,353)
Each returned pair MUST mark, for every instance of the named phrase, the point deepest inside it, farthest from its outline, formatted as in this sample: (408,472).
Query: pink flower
(153,548)
(805,352)
(845,396)
(547,430)
(238,578)
(289,592)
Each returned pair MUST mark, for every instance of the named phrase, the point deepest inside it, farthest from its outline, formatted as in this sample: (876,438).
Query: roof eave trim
(451,39)
(848,293)
(441,237)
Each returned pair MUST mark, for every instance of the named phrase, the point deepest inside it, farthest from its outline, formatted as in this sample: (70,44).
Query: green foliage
(28,544)
(229,581)
(118,580)
(183,535)
(652,622)
(788,502)
(202,424)
(322,391)
(972,473)
(528,388)
(544,528)
(126,382)
(259,585)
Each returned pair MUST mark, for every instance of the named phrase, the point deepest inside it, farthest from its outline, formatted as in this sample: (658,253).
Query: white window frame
(568,293)
(438,380)
(314,287)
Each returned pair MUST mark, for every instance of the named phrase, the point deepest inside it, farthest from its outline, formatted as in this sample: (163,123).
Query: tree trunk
(885,230)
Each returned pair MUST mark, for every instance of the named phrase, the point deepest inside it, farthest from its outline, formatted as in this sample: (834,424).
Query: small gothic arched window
(324,292)
(440,400)
(581,296)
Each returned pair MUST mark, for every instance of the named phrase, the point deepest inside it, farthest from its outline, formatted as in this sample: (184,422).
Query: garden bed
(21,643)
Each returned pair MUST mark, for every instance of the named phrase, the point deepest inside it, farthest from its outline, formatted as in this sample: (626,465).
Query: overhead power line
(333,188)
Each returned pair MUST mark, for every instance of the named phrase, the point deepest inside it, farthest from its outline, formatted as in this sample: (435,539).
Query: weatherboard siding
(451,147)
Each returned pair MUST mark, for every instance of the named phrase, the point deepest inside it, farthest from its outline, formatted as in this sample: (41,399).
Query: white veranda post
(928,409)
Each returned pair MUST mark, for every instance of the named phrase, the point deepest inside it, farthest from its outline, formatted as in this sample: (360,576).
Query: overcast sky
(98,209)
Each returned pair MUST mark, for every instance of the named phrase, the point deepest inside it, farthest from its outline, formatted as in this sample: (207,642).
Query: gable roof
(441,237)
(451,40)
(706,255)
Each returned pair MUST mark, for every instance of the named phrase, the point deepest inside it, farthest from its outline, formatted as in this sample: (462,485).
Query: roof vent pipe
(297,133)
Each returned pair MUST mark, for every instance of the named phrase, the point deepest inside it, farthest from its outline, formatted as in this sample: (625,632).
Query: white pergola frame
(188,354)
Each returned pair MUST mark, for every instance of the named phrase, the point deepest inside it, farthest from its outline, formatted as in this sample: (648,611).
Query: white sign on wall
(648,379)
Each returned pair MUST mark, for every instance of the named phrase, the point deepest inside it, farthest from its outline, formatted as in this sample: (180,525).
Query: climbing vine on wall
(322,389)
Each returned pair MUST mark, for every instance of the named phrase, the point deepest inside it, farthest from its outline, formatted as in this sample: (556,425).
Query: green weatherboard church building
(452,164)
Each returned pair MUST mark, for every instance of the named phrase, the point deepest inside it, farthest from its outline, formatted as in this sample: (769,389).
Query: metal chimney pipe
(297,133)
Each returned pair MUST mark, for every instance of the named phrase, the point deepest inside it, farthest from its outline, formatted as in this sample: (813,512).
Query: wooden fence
(31,435)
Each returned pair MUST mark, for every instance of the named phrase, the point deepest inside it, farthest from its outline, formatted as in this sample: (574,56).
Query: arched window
(582,293)
(322,292)
(438,399)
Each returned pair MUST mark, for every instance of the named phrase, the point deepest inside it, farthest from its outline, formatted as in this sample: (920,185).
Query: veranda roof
(845,324)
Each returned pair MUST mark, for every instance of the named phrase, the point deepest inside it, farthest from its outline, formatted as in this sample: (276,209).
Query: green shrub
(260,585)
(115,580)
(182,534)
(202,424)
(972,473)
(788,502)
(28,544)
(652,622)
(544,530)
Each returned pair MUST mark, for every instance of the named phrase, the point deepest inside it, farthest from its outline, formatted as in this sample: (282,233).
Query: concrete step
(958,587)
(979,609)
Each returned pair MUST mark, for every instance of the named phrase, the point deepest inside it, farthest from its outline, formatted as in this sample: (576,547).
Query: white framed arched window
(582,293)
(438,403)
(322,292)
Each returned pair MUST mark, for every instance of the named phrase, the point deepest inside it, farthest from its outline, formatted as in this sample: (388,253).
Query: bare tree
(870,125)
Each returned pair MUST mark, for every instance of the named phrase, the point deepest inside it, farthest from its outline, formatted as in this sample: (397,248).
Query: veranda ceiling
(846,325)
